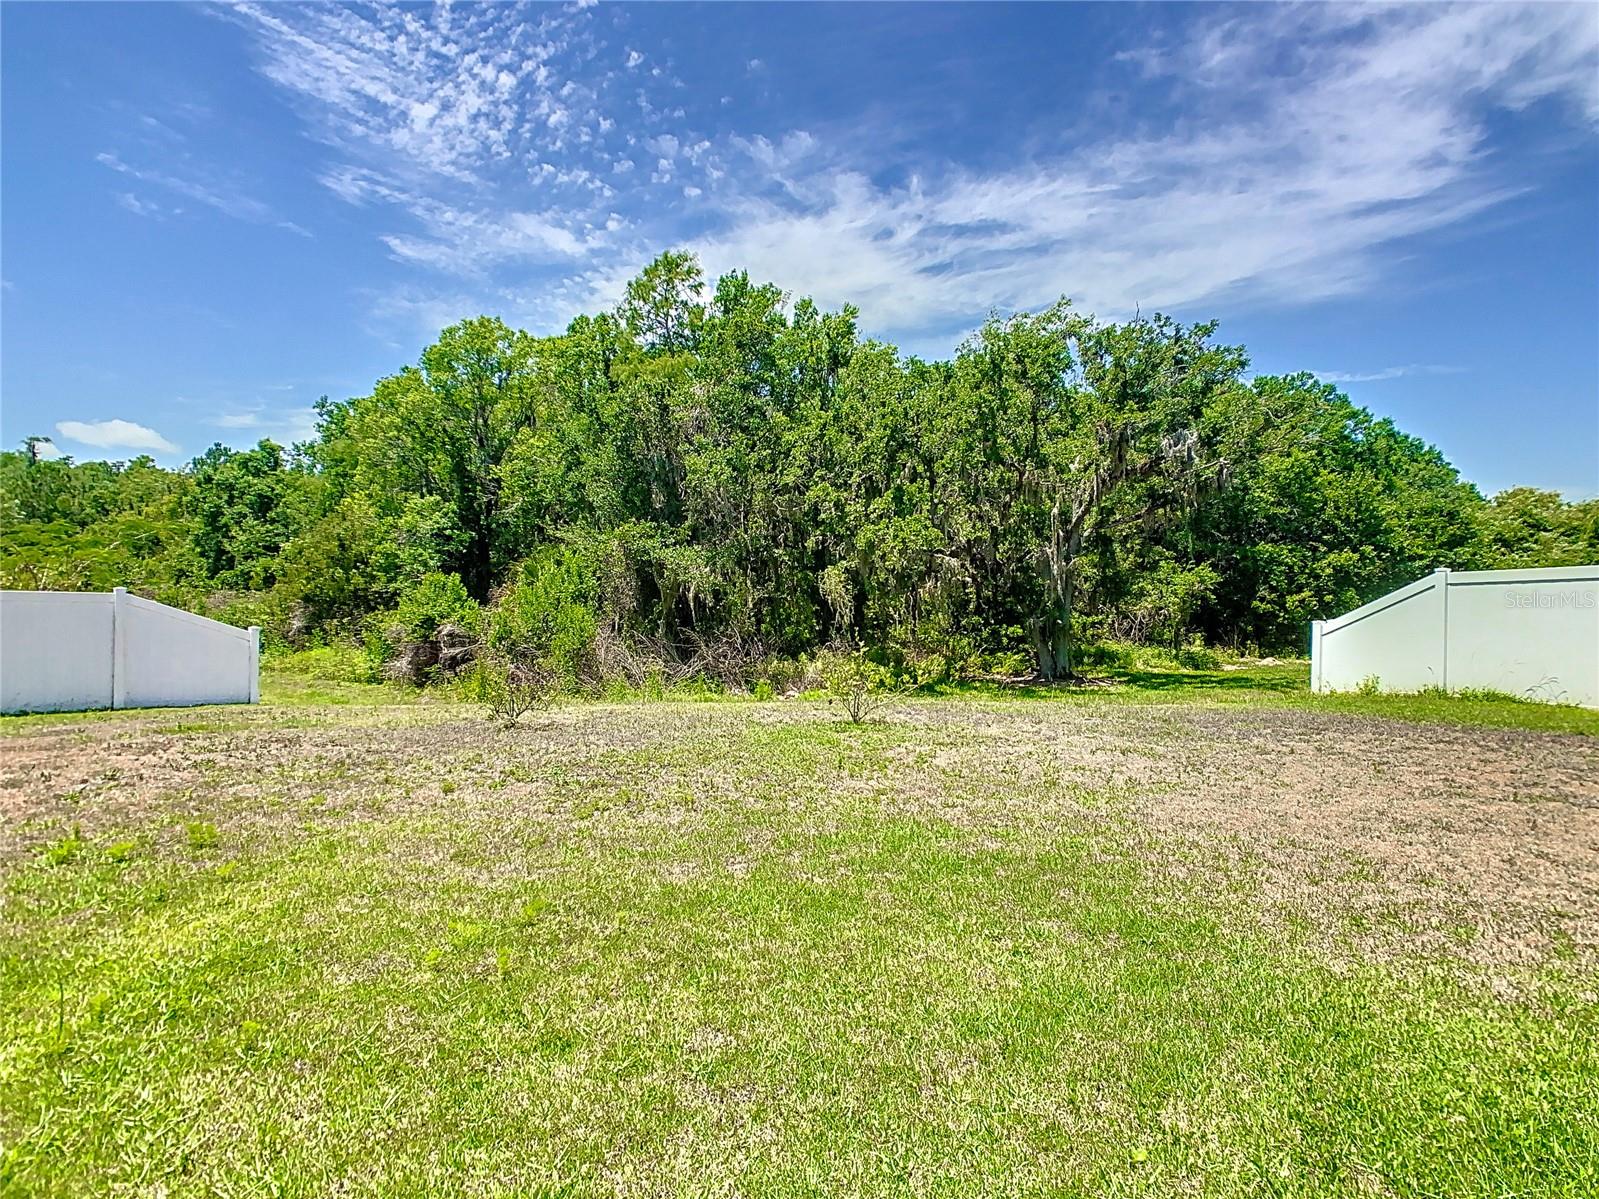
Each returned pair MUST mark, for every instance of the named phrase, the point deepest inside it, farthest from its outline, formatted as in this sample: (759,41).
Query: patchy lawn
(1207,938)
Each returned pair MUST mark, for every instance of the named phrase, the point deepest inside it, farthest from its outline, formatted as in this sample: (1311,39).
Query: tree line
(712,464)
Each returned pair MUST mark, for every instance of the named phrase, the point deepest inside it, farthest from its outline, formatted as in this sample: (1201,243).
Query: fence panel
(55,651)
(65,651)
(1533,633)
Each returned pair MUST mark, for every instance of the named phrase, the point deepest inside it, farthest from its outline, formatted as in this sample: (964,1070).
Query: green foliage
(1326,508)
(242,502)
(434,601)
(64,849)
(201,835)
(857,684)
(508,689)
(546,617)
(95,525)
(340,662)
(711,466)
(440,432)
(1524,527)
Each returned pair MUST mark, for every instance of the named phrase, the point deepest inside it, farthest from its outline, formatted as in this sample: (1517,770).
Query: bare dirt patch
(1391,838)
(1484,841)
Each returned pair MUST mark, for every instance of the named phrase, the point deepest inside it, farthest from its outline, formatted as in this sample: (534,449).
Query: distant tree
(1079,425)
(1525,527)
(92,526)
(444,429)
(244,514)
(662,307)
(723,471)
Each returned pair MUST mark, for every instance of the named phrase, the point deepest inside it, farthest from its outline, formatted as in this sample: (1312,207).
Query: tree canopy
(717,462)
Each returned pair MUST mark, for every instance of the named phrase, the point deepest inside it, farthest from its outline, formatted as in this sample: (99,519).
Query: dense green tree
(1327,507)
(244,508)
(92,526)
(443,429)
(725,464)
(1527,527)
(1069,426)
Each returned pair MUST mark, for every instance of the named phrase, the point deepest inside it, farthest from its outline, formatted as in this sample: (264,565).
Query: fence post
(1441,578)
(119,647)
(255,664)
(1316,627)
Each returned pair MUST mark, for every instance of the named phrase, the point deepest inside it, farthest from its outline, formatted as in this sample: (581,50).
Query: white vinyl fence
(64,651)
(1532,633)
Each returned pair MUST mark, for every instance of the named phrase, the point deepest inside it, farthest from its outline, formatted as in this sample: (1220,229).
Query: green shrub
(1488,695)
(546,617)
(1006,664)
(785,674)
(1124,655)
(434,601)
(201,834)
(508,690)
(338,663)
(272,611)
(1112,655)
(855,682)
(1196,655)
(64,850)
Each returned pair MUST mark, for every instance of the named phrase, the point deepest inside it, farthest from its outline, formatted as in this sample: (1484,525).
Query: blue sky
(214,215)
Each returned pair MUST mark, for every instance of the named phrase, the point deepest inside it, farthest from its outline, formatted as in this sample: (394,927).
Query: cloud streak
(530,163)
(1385,374)
(1375,136)
(224,199)
(115,434)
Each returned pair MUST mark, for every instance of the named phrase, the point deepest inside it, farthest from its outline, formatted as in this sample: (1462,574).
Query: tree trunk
(1052,627)
(478,572)
(1052,639)
(667,628)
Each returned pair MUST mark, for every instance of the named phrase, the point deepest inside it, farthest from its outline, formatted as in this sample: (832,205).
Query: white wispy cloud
(443,91)
(223,198)
(440,115)
(137,206)
(237,420)
(462,239)
(251,422)
(1309,141)
(1384,374)
(115,434)
(1374,134)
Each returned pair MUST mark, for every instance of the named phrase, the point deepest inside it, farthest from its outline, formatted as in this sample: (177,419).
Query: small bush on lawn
(1197,656)
(509,690)
(64,850)
(201,834)
(547,616)
(856,683)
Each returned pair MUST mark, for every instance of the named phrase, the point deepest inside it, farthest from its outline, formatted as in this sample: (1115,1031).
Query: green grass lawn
(1287,686)
(979,947)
